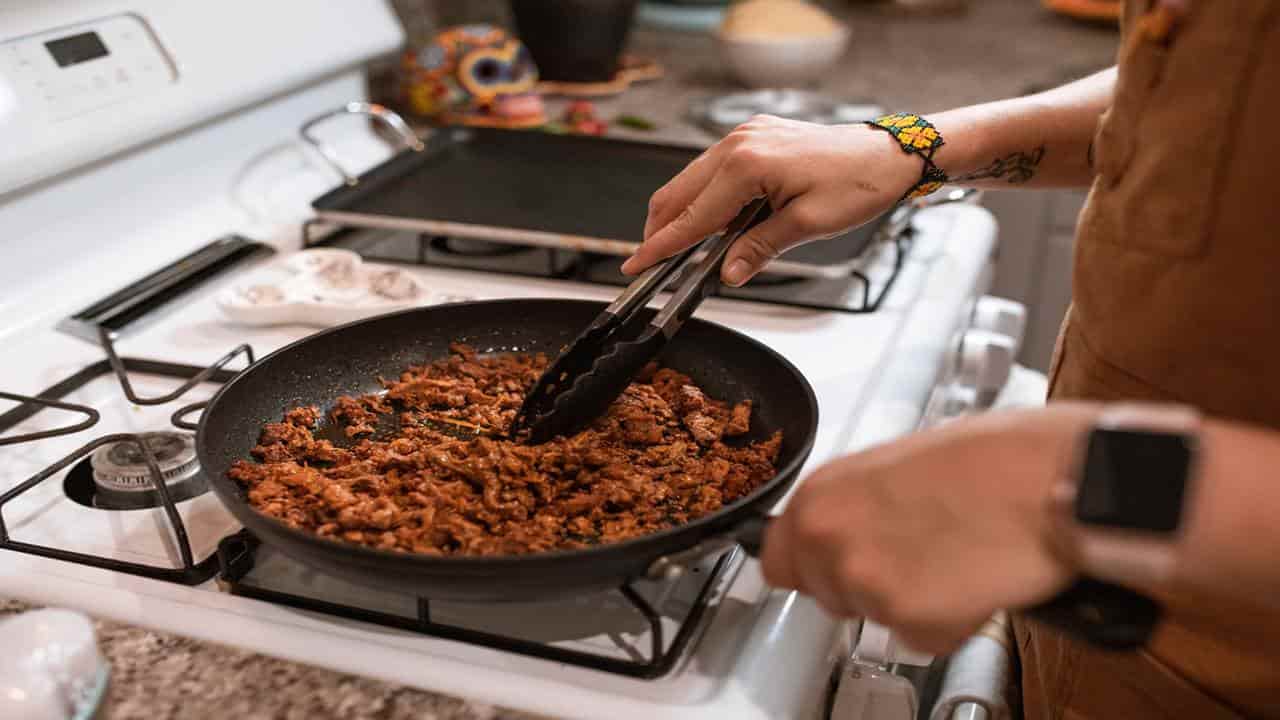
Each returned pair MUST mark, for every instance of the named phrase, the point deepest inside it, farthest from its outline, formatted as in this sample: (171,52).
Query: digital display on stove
(76,49)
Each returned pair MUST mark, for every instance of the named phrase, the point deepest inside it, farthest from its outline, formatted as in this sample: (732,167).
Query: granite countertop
(998,49)
(158,676)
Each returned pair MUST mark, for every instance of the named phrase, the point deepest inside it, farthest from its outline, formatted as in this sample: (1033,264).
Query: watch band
(1108,616)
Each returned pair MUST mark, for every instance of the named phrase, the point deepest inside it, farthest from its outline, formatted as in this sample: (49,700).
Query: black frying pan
(347,360)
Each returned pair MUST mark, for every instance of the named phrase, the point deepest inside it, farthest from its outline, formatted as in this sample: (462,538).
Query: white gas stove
(143,133)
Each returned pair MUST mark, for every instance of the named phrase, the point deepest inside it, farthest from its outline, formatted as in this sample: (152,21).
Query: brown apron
(1177,298)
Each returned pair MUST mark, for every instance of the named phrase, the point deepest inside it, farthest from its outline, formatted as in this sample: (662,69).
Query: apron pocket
(1115,139)
(1167,142)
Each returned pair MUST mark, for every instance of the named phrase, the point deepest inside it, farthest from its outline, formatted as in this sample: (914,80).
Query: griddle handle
(380,113)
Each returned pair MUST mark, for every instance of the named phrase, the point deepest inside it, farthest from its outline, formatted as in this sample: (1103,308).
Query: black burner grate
(191,572)
(238,552)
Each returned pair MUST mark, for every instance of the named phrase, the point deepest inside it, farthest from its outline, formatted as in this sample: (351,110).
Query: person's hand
(932,534)
(820,180)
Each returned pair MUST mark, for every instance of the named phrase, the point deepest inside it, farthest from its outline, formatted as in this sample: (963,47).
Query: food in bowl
(447,481)
(778,19)
(780,43)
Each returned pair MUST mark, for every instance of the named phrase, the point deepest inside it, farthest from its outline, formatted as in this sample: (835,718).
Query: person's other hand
(932,534)
(820,180)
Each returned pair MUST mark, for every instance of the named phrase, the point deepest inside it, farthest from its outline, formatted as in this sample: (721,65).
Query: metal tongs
(590,374)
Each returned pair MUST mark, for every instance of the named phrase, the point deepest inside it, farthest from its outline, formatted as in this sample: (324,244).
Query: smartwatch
(1120,514)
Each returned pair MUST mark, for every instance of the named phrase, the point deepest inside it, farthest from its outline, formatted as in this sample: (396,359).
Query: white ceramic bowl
(51,668)
(781,62)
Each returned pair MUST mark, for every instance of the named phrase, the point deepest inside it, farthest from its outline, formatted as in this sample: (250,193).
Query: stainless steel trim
(969,711)
(891,227)
(690,291)
(648,284)
(82,329)
(378,112)
(538,238)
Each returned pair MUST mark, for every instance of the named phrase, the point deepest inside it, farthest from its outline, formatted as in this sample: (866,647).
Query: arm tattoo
(1016,168)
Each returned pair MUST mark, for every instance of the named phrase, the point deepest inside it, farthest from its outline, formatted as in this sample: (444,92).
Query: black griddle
(537,188)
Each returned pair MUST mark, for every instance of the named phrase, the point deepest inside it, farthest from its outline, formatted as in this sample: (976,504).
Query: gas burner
(475,248)
(116,477)
(110,472)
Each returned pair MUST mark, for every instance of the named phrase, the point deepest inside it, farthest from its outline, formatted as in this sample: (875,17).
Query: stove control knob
(959,400)
(948,402)
(985,363)
(998,315)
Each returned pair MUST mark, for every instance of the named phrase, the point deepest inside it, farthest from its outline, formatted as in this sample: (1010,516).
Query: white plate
(322,287)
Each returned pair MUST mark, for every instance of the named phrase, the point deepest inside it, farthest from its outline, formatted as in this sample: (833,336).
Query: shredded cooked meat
(447,482)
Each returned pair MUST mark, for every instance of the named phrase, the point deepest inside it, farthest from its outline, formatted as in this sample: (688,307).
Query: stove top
(712,639)
(133,500)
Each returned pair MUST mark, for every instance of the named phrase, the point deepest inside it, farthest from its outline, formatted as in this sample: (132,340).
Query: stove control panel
(984,355)
(986,359)
(1002,316)
(62,73)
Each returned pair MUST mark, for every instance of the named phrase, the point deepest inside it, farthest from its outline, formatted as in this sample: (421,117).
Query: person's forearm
(1041,140)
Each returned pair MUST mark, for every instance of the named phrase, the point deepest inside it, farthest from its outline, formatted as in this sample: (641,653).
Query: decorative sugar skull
(474,75)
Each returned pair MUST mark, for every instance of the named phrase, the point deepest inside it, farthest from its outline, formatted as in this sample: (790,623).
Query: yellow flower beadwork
(919,137)
(925,188)
(913,132)
(916,136)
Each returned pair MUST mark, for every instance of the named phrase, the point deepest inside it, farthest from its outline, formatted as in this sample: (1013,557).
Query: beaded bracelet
(916,136)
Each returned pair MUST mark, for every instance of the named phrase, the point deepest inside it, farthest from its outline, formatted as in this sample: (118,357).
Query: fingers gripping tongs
(588,375)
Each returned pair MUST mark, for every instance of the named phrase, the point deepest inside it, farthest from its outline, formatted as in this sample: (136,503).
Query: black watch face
(1134,480)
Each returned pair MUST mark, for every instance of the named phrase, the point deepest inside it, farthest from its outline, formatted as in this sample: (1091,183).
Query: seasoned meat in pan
(447,481)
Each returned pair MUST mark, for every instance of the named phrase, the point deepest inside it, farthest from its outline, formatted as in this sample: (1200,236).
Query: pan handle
(748,534)
(378,112)
(1108,616)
